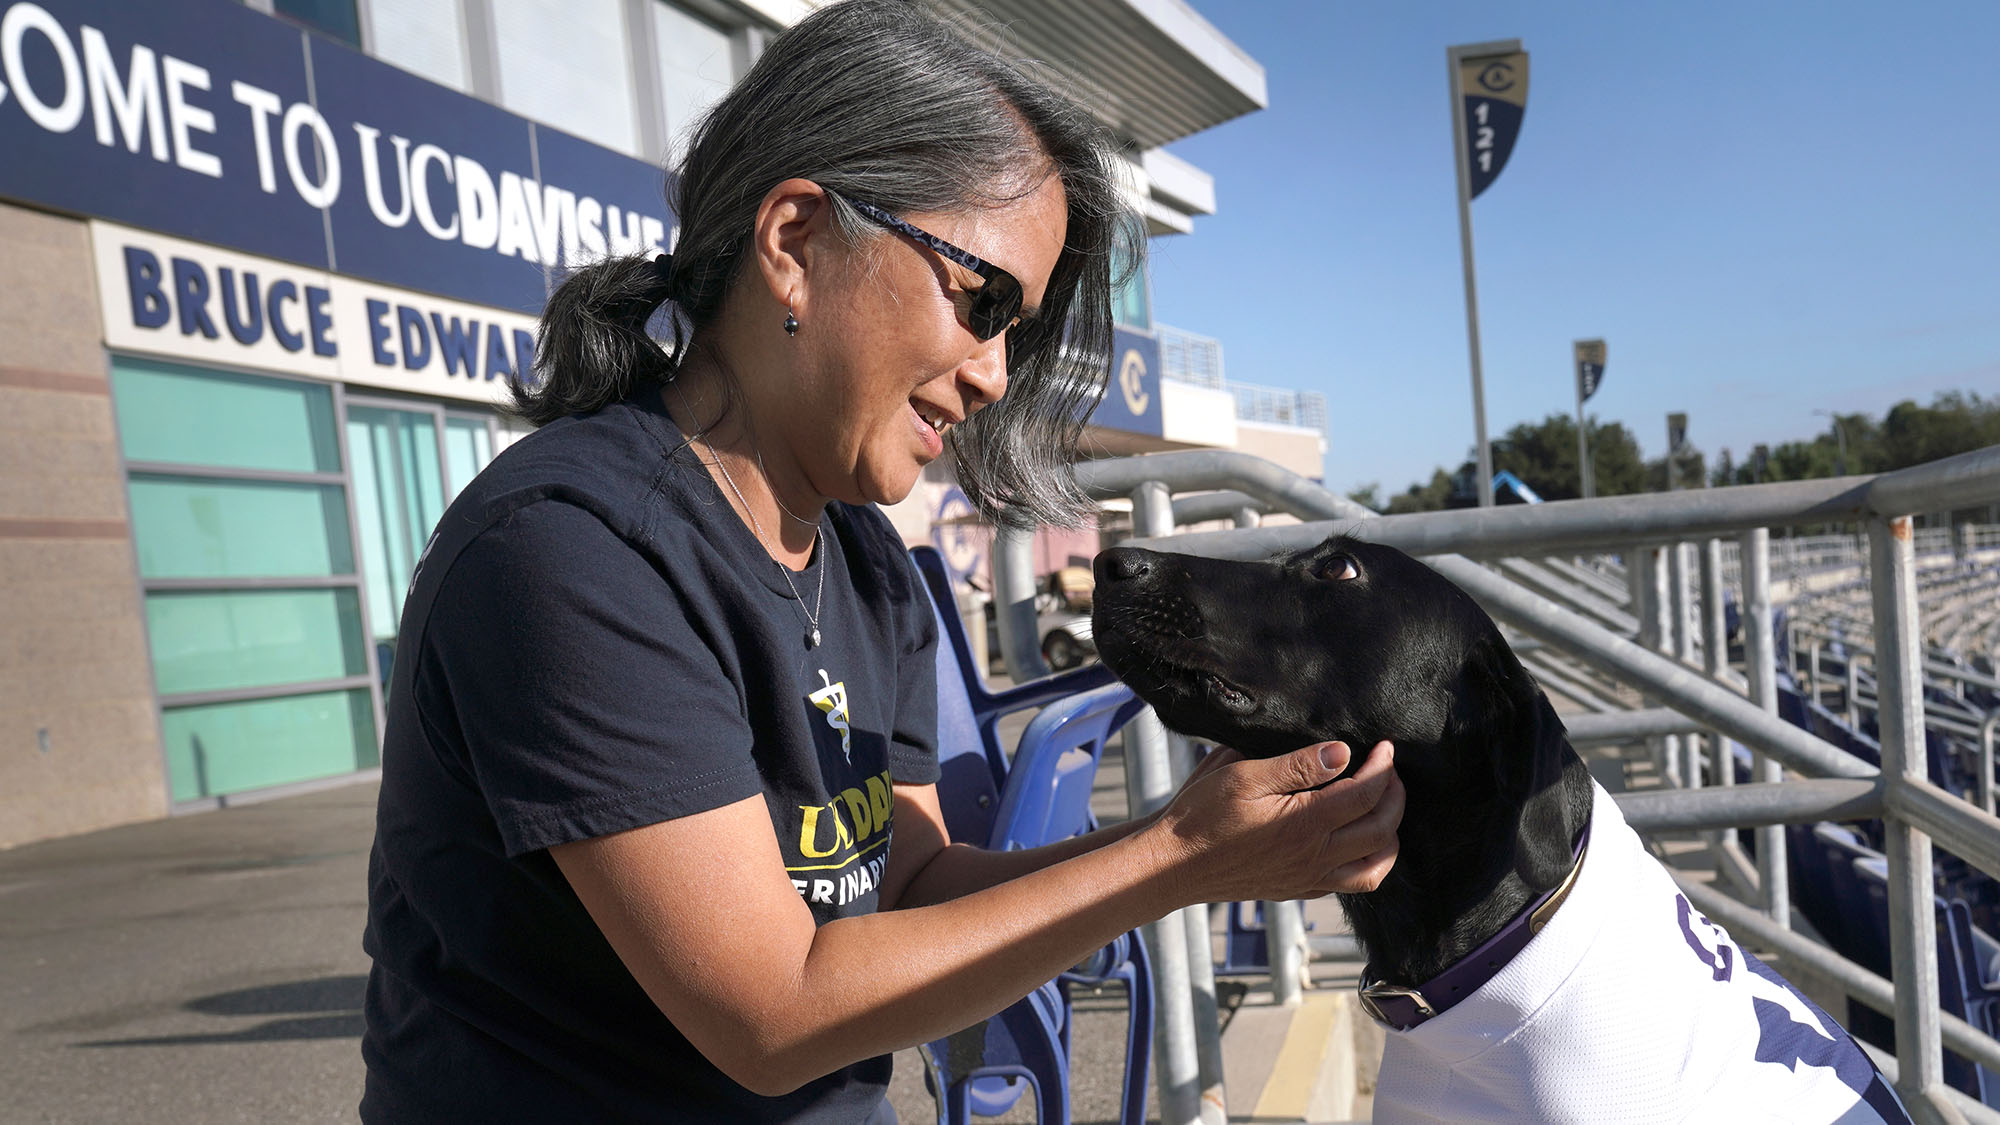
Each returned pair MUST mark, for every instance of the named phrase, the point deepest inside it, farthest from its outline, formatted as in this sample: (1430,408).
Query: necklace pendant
(812,639)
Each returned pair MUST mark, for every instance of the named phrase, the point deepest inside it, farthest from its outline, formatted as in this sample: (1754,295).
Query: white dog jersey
(1629,1006)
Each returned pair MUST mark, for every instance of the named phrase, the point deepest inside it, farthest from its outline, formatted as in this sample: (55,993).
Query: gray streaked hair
(880,101)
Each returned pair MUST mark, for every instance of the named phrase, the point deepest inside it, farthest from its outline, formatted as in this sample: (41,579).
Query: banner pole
(1463,161)
(1583,474)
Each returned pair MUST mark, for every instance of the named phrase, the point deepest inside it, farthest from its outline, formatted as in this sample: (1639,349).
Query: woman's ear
(789,239)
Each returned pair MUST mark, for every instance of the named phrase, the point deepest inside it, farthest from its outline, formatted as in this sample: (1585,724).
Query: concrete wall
(79,734)
(1297,448)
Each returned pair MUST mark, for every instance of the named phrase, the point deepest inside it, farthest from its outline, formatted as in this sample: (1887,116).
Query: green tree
(1544,455)
(1954,422)
(1690,471)
(1725,470)
(1367,497)
(1614,458)
(1423,497)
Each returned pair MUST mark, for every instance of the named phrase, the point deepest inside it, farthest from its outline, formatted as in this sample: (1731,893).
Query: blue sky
(1765,208)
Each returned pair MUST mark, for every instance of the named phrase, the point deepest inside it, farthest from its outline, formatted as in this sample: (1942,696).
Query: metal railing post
(1285,944)
(1812,672)
(1853,688)
(1681,589)
(1187,1034)
(1988,730)
(1665,605)
(1760,661)
(1715,661)
(1014,604)
(1644,572)
(1899,693)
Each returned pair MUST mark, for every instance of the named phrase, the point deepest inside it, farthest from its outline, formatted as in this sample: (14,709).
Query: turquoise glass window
(467,448)
(230,747)
(214,640)
(171,412)
(1131,295)
(187,527)
(231,530)
(399,495)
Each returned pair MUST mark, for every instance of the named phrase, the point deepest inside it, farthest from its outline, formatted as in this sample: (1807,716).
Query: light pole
(1839,436)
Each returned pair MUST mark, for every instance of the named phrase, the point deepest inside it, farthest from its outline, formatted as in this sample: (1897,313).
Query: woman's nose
(985,372)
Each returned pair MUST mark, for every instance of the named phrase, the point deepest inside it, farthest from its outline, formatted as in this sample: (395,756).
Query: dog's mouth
(1226,695)
(1174,685)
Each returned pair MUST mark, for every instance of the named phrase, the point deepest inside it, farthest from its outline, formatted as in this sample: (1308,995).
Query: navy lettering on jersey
(1718,958)
(1785,1041)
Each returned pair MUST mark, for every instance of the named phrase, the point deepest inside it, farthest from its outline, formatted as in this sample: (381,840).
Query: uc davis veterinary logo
(843,844)
(832,699)
(1132,381)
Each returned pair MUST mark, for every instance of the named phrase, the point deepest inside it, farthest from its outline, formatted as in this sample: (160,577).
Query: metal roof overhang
(1153,70)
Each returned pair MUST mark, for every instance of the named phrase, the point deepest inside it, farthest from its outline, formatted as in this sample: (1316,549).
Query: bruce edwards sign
(169,297)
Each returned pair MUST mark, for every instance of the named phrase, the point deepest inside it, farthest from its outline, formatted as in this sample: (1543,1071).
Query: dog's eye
(1339,568)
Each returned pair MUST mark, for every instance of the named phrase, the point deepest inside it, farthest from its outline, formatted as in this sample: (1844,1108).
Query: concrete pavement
(208,968)
(203,969)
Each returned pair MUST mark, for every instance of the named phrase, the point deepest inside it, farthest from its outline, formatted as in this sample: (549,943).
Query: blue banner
(1590,355)
(1132,402)
(1495,91)
(209,121)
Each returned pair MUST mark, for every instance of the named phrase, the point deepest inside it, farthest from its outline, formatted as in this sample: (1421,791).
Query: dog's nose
(1122,564)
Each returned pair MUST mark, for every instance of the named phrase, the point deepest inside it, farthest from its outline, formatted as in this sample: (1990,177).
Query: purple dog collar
(1402,1008)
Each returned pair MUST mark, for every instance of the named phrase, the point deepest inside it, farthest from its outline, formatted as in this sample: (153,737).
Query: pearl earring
(791,322)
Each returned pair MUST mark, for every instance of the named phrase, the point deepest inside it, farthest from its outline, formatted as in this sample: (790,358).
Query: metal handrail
(1915,811)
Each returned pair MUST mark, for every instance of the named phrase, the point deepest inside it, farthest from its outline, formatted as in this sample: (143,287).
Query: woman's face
(889,366)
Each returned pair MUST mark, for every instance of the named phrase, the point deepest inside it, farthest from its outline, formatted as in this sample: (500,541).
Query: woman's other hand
(1275,829)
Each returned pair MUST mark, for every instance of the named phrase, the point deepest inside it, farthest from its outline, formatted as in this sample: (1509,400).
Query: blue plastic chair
(1040,796)
(1046,799)
(1962,990)
(969,713)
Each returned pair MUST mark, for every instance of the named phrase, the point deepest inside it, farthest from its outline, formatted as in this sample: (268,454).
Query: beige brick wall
(79,736)
(1295,448)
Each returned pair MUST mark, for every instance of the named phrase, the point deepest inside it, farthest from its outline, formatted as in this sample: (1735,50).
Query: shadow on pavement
(322,1008)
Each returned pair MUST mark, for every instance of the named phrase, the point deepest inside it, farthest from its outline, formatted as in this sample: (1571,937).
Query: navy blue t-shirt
(594,642)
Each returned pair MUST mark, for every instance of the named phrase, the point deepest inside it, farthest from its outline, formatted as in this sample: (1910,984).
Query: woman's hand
(1274,829)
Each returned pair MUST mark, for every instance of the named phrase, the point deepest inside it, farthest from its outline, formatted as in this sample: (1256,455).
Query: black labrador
(1358,642)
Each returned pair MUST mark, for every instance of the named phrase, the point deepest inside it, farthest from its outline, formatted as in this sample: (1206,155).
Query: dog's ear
(1512,722)
(1485,705)
(1500,714)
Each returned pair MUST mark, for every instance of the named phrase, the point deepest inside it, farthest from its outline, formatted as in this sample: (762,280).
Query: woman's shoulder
(610,463)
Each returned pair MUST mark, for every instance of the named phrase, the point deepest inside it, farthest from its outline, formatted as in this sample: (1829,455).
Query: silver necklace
(812,615)
(774,493)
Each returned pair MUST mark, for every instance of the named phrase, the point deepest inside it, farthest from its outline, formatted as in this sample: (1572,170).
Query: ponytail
(593,347)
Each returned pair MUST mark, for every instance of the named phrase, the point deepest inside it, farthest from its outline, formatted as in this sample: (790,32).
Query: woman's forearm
(877,983)
(962,869)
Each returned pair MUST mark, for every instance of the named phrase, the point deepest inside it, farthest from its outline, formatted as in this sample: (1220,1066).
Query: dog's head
(1347,640)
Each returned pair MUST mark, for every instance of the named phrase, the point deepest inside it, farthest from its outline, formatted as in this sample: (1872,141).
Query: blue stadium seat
(1812,883)
(1046,799)
(1858,931)
(1040,795)
(1854,933)
(1963,990)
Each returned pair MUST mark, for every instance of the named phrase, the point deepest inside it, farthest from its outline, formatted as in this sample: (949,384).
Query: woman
(668,685)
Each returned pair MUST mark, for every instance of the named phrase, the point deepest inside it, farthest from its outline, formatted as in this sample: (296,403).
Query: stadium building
(268,267)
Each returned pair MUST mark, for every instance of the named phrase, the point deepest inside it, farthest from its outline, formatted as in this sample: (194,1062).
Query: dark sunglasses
(995,304)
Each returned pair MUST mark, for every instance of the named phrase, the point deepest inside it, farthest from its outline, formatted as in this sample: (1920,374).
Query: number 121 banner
(1495,89)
